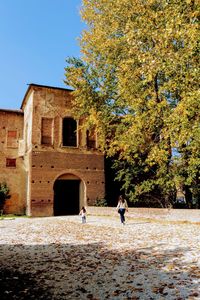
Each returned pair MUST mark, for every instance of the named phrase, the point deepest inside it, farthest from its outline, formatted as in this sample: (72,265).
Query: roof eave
(41,86)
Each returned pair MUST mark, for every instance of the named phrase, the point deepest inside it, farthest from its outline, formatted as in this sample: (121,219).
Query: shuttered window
(12,139)
(47,131)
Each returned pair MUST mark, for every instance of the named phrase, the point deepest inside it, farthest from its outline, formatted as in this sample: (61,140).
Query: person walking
(83,215)
(122,207)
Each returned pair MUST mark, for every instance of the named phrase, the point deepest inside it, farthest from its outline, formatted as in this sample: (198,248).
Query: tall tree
(137,82)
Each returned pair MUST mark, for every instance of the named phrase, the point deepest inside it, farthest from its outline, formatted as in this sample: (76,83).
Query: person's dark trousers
(83,219)
(122,212)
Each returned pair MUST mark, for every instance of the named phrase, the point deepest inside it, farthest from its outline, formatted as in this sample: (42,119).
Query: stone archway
(68,195)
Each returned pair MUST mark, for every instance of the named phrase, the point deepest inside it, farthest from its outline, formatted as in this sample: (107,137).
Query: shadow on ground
(91,271)
(15,285)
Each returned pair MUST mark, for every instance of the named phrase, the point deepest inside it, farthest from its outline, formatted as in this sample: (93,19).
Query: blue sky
(36,37)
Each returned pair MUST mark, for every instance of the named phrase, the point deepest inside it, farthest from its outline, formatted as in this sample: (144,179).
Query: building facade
(50,163)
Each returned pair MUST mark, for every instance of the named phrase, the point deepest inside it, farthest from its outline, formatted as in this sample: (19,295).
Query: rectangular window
(91,138)
(10,163)
(12,139)
(12,134)
(47,131)
(69,132)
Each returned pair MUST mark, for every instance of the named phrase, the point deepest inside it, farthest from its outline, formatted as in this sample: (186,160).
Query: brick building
(51,165)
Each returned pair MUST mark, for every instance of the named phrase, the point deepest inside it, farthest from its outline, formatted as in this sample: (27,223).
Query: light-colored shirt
(122,204)
(82,213)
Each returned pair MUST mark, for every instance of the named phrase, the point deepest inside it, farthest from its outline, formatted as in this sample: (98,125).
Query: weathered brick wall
(48,162)
(38,165)
(50,103)
(190,215)
(48,166)
(12,121)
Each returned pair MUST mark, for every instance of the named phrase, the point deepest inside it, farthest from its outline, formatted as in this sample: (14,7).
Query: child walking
(83,214)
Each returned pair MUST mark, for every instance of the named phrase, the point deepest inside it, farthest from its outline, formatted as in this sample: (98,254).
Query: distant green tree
(101,202)
(4,194)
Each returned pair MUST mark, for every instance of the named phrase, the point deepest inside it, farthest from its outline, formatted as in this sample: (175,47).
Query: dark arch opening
(66,197)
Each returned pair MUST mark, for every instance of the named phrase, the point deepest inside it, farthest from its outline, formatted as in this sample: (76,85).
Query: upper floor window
(91,138)
(12,139)
(47,131)
(69,132)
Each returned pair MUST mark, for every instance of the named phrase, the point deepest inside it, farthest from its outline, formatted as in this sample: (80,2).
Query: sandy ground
(60,258)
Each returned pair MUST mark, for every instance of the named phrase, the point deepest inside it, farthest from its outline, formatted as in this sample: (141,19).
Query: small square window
(11,162)
(12,134)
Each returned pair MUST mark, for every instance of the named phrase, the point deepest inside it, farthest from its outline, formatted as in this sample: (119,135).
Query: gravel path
(60,258)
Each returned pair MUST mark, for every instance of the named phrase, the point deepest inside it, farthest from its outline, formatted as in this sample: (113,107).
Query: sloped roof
(42,86)
(18,111)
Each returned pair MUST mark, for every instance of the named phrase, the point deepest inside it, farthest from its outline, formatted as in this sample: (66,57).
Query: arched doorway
(67,194)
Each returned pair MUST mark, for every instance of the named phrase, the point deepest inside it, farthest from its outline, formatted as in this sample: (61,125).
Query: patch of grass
(149,220)
(11,216)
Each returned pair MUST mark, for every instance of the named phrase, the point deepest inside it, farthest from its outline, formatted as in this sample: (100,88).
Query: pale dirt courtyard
(60,258)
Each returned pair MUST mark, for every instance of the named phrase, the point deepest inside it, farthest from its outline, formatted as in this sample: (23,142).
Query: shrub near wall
(4,194)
